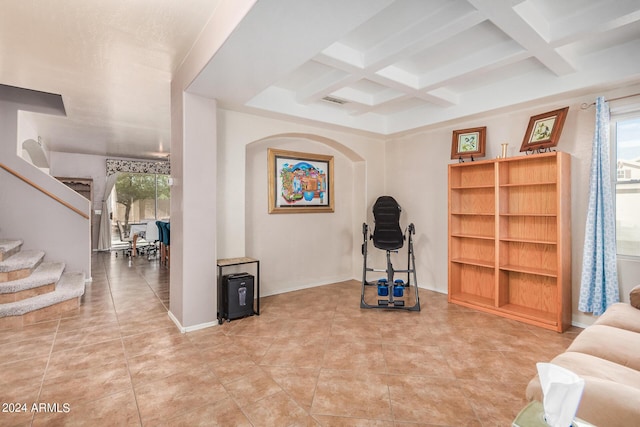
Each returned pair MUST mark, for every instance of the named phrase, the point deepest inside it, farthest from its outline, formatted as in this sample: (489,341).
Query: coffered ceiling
(380,66)
(412,63)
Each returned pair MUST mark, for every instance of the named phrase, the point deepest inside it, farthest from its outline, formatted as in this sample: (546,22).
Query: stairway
(32,290)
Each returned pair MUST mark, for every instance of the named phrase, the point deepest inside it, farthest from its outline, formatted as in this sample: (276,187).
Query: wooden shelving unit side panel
(564,239)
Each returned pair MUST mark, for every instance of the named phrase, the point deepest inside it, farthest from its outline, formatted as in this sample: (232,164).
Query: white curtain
(115,166)
(599,281)
(104,238)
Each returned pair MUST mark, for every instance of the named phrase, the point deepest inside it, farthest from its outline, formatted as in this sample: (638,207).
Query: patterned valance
(138,166)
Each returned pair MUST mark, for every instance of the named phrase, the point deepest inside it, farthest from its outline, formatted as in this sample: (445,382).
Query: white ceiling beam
(441,97)
(364,109)
(502,15)
(488,59)
(324,85)
(594,20)
(397,78)
(433,29)
(345,54)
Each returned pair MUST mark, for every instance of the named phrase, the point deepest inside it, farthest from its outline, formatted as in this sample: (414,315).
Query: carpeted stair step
(9,247)
(42,280)
(69,287)
(20,265)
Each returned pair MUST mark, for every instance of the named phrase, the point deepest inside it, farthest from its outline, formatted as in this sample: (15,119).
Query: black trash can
(237,296)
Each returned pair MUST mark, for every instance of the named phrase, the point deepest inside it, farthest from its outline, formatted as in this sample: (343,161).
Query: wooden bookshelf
(509,238)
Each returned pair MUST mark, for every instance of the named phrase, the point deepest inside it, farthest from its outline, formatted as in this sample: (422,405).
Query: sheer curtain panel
(599,280)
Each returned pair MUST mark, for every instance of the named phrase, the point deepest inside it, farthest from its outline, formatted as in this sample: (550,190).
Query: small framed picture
(468,143)
(544,130)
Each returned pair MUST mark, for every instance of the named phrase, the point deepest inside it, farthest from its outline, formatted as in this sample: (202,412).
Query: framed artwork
(468,143)
(544,130)
(300,182)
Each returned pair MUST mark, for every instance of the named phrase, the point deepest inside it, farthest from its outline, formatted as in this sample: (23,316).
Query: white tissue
(561,390)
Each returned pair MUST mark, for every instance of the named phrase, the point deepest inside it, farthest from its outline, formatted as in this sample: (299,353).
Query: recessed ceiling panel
(309,72)
(394,19)
(479,80)
(468,43)
(401,105)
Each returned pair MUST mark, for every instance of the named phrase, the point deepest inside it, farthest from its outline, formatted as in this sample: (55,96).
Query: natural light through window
(139,198)
(627,140)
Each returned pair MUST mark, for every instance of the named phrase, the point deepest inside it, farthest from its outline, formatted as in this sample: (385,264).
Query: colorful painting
(300,182)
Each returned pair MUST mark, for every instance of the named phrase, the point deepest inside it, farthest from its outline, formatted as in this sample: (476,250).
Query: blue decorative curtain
(599,282)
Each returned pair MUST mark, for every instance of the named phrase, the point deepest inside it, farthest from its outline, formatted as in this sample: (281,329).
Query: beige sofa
(607,356)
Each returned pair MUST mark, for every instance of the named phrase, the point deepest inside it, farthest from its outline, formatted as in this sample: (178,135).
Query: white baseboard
(301,287)
(183,329)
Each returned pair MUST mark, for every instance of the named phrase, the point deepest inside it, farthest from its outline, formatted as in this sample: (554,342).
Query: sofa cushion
(621,315)
(611,394)
(634,297)
(603,402)
(586,365)
(609,343)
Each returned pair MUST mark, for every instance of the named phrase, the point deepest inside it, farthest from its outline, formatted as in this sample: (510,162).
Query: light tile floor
(312,357)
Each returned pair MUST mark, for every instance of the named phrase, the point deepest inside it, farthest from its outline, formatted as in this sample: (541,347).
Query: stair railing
(37,187)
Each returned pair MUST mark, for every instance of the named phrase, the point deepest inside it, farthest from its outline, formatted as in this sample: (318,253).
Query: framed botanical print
(468,143)
(544,130)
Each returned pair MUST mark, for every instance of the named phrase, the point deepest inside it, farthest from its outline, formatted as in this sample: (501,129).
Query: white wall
(417,174)
(26,212)
(187,308)
(246,229)
(298,250)
(83,166)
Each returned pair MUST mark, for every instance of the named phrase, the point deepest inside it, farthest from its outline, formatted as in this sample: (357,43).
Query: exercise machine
(388,236)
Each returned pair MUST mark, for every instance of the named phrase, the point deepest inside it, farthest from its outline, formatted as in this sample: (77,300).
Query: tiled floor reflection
(312,357)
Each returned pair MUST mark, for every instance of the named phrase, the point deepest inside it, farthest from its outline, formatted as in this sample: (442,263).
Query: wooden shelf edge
(512,312)
(474,213)
(472,301)
(530,270)
(528,184)
(537,242)
(473,187)
(472,236)
(477,263)
(537,215)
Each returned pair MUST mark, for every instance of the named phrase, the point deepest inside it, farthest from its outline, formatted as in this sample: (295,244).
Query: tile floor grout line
(124,350)
(44,374)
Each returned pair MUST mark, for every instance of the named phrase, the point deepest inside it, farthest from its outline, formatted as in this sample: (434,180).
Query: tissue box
(533,416)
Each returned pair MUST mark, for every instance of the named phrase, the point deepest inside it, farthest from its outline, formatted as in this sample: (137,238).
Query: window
(626,138)
(139,198)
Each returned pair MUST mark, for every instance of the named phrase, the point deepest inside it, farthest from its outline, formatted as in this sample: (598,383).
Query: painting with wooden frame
(468,143)
(300,182)
(544,130)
